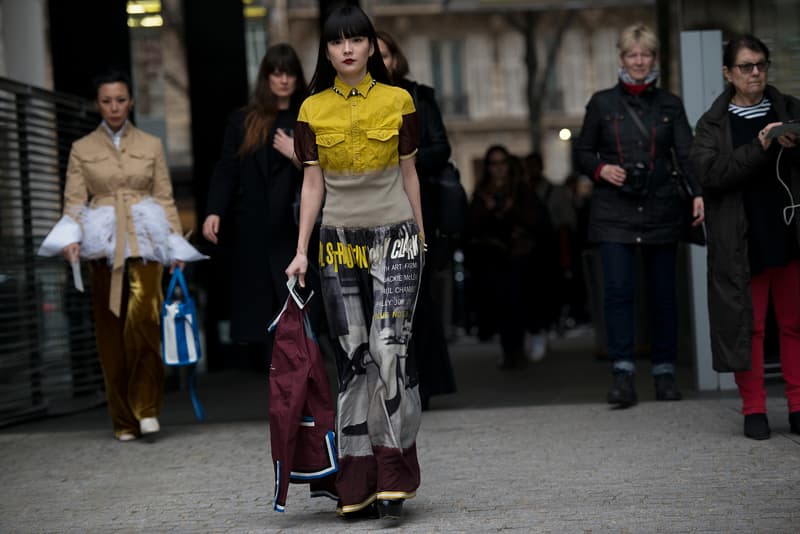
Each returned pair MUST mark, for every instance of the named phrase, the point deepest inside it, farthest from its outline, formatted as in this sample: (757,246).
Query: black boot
(370,511)
(666,390)
(390,508)
(794,422)
(623,391)
(756,426)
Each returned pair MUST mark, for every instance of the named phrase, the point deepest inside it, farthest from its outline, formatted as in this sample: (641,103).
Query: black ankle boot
(390,508)
(756,426)
(794,422)
(666,390)
(622,392)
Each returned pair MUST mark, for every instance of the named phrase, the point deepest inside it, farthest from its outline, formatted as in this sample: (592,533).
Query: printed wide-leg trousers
(370,280)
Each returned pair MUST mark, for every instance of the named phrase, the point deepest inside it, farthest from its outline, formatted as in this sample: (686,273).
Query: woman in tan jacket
(120,215)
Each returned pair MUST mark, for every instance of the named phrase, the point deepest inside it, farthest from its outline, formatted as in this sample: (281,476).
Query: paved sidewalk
(528,451)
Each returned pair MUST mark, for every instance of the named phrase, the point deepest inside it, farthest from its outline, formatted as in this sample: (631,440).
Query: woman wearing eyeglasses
(753,249)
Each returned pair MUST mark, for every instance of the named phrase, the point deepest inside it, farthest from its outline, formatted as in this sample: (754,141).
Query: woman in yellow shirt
(357,137)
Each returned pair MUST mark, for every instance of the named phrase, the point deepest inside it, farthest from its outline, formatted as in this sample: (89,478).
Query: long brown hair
(260,113)
(401,63)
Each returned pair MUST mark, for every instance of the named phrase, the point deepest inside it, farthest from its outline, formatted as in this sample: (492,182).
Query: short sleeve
(409,130)
(305,143)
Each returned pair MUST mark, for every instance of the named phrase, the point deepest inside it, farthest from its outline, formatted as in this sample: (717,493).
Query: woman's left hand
(283,143)
(789,140)
(176,263)
(698,211)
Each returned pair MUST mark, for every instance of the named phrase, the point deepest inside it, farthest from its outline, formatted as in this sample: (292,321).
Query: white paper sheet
(76,275)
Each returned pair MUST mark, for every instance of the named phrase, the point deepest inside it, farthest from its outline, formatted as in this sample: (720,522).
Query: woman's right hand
(71,252)
(211,228)
(613,174)
(298,268)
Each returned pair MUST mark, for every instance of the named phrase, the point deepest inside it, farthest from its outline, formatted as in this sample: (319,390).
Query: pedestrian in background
(428,347)
(252,190)
(119,213)
(357,138)
(635,138)
(753,243)
(503,253)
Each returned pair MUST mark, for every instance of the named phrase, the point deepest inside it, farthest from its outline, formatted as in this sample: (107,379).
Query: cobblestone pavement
(529,451)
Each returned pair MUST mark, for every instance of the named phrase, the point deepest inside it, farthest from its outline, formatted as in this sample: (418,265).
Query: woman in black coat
(428,346)
(509,237)
(253,189)
(753,242)
(629,135)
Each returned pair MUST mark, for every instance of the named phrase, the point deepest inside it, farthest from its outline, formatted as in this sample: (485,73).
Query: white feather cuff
(181,249)
(65,232)
(98,239)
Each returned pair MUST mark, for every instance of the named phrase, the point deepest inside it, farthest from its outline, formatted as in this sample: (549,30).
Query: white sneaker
(126,436)
(149,425)
(536,346)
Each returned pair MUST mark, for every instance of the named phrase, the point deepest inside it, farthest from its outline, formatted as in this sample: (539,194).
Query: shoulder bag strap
(636,120)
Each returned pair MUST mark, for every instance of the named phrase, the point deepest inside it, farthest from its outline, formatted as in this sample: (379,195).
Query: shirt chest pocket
(382,146)
(140,165)
(97,169)
(332,153)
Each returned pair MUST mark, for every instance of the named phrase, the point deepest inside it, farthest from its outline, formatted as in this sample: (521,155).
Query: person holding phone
(357,137)
(250,199)
(753,242)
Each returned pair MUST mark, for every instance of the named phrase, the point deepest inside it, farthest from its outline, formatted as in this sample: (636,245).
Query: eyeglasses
(747,68)
(498,162)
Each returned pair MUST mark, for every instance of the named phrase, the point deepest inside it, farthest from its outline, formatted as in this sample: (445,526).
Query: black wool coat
(610,136)
(724,174)
(428,345)
(253,196)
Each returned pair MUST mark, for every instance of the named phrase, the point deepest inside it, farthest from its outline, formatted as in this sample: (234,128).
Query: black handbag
(689,234)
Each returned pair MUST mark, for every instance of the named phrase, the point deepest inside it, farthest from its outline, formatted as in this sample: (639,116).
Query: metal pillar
(702,82)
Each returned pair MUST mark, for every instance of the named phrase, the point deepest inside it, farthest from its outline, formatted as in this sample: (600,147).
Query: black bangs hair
(346,21)
(112,76)
(751,42)
(282,58)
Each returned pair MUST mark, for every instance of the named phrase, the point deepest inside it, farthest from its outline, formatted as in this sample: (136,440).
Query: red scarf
(636,88)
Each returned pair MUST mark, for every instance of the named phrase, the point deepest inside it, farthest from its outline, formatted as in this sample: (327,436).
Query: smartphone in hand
(791,126)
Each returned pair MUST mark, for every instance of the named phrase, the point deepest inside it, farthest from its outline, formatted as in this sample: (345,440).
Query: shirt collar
(115,136)
(363,87)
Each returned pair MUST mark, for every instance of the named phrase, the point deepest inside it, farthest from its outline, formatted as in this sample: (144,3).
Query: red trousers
(784,285)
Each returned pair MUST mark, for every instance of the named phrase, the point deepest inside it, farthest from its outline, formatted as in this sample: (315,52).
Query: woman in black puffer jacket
(626,144)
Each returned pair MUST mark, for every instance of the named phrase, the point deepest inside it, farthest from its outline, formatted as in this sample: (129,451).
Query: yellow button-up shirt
(358,135)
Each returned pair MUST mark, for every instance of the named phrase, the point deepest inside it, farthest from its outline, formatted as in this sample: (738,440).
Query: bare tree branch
(526,23)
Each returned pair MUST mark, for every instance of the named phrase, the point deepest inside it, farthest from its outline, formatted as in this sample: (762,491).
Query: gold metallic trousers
(129,346)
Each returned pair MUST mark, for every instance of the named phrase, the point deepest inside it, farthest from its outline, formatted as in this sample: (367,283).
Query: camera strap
(651,135)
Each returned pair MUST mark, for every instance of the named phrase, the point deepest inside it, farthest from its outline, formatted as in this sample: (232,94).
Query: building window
(447,66)
(255,36)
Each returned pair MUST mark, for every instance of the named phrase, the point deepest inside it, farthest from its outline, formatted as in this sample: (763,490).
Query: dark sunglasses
(747,68)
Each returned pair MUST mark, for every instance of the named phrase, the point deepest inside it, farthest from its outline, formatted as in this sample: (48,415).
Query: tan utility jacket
(98,174)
